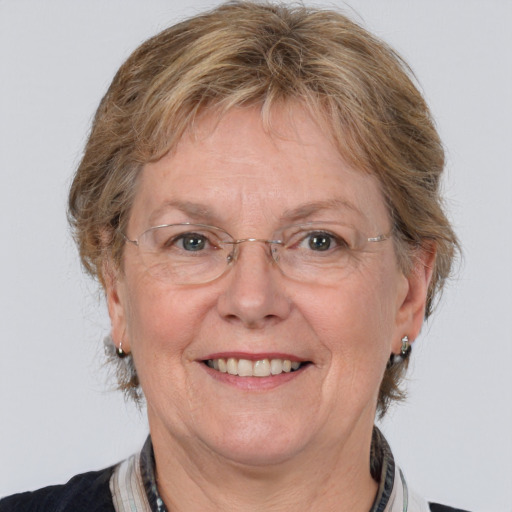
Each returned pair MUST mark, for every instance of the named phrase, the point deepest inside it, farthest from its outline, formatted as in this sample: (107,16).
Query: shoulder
(416,503)
(85,492)
(436,507)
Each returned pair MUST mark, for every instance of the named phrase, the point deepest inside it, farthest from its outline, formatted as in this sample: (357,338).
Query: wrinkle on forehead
(231,169)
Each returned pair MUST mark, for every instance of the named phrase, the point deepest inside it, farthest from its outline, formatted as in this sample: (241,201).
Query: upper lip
(254,356)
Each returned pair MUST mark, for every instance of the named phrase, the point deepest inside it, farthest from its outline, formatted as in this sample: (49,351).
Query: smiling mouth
(259,368)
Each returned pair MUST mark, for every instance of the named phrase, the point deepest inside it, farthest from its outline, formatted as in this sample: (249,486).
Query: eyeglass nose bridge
(233,256)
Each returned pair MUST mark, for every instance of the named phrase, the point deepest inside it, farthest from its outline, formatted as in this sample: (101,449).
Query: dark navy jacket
(89,492)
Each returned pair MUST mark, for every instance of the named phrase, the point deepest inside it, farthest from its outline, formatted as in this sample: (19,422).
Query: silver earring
(120,352)
(406,348)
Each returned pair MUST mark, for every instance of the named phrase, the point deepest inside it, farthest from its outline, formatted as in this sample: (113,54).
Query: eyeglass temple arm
(126,239)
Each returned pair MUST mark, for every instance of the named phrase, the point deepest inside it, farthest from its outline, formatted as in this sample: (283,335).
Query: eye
(166,240)
(191,241)
(321,241)
(183,240)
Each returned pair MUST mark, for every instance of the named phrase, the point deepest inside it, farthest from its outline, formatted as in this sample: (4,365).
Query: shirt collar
(382,468)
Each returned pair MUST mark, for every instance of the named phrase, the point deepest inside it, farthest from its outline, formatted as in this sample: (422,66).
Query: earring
(120,352)
(406,348)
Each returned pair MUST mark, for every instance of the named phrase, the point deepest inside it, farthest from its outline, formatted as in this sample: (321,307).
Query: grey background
(58,415)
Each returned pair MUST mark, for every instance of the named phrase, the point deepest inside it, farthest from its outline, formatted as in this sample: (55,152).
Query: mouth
(266,367)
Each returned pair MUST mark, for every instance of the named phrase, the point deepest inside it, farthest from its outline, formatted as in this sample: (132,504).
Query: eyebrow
(202,213)
(195,210)
(308,209)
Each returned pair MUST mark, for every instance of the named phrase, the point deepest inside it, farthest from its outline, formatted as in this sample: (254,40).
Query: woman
(259,198)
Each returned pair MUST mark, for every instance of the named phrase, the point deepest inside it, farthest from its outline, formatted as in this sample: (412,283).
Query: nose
(254,294)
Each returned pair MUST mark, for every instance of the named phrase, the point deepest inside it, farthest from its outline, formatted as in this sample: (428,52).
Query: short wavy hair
(247,53)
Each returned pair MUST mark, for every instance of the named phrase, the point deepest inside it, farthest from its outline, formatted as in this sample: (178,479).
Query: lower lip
(254,383)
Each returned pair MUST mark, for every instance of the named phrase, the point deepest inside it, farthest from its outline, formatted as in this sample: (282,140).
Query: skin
(300,441)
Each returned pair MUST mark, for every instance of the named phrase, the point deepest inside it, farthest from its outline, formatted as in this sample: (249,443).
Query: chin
(259,444)
(257,454)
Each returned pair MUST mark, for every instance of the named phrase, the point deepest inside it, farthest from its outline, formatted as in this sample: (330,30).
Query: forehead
(234,167)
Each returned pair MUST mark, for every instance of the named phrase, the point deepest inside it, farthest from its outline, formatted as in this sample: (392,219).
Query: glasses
(319,252)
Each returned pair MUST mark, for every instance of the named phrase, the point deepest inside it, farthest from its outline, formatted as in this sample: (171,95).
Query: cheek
(359,309)
(163,325)
(161,321)
(355,323)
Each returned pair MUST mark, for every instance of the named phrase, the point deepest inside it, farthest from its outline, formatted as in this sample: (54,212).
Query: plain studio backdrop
(58,413)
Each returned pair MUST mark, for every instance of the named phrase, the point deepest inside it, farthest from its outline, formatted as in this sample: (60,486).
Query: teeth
(276,366)
(223,367)
(232,366)
(261,368)
(247,368)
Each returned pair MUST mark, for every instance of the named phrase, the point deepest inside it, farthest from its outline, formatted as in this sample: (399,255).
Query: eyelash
(181,238)
(331,237)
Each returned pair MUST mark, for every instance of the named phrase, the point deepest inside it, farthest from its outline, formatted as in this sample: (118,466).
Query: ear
(413,298)
(114,290)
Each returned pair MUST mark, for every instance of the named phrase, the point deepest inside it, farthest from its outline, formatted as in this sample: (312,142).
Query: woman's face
(234,175)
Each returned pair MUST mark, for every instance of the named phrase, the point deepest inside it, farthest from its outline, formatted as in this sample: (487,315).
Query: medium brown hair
(261,54)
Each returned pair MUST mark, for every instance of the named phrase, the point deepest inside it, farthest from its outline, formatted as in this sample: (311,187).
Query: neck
(329,478)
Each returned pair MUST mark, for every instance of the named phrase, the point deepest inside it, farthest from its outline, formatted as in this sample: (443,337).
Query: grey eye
(192,241)
(319,241)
